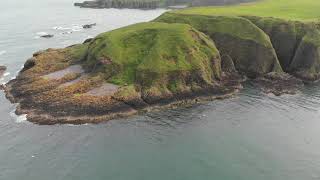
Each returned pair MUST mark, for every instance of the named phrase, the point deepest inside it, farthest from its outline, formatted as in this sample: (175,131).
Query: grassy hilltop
(306,10)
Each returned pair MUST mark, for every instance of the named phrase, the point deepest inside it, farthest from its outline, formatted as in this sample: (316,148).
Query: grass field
(303,10)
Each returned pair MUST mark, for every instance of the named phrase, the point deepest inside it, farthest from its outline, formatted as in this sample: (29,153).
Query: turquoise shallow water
(252,136)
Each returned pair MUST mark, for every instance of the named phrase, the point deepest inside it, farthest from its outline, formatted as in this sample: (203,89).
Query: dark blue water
(250,137)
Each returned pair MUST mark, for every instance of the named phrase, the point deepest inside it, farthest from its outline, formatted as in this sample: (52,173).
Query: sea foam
(18,118)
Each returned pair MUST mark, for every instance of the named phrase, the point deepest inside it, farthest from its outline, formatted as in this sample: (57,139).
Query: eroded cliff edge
(176,59)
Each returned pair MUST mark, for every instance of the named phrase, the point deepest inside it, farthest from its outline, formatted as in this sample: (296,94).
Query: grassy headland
(181,56)
(303,10)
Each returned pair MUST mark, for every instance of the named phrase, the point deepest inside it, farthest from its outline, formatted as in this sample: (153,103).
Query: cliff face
(296,44)
(306,61)
(259,45)
(238,38)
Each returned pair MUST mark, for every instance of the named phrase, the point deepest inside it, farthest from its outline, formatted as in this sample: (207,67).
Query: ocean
(252,136)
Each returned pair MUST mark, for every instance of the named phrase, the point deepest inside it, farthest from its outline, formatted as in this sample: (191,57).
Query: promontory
(182,57)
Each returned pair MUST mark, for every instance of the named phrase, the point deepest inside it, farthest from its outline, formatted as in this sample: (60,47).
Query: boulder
(88,26)
(2,70)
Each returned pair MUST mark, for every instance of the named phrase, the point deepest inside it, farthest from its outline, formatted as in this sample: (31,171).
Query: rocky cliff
(258,45)
(119,73)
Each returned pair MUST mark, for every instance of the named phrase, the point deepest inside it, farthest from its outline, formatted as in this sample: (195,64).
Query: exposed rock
(88,40)
(47,36)
(227,64)
(278,83)
(29,63)
(2,87)
(88,26)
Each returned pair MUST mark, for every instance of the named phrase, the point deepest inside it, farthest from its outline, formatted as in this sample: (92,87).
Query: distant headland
(153,4)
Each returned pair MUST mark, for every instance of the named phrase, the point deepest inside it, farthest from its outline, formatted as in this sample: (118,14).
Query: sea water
(252,136)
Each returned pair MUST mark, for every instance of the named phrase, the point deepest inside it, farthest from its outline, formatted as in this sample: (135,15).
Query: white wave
(61,28)
(19,119)
(76,29)
(2,52)
(6,74)
(42,33)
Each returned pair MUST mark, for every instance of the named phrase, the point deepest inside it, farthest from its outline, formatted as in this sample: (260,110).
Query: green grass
(234,26)
(302,10)
(149,52)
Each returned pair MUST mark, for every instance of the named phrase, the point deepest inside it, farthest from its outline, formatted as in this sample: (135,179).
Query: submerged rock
(88,26)
(47,36)
(278,83)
